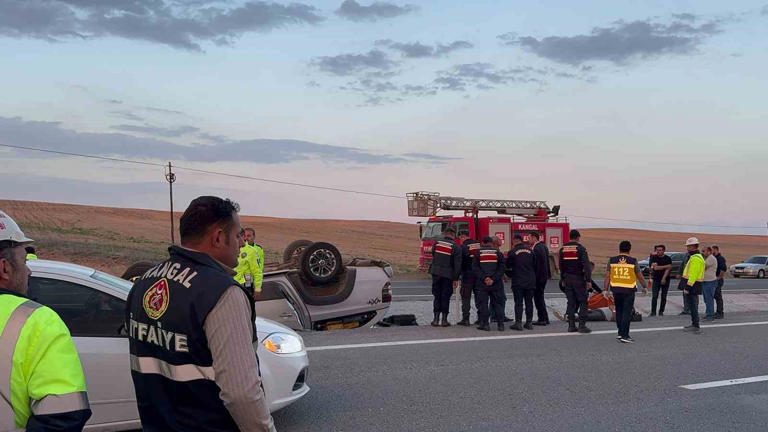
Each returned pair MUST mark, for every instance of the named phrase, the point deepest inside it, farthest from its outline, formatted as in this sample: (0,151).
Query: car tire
(736,276)
(761,274)
(293,251)
(321,263)
(137,269)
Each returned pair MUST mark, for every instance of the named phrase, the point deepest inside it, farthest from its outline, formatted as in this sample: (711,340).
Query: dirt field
(111,238)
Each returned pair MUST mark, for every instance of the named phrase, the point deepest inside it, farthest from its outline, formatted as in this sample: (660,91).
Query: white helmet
(10,231)
(692,241)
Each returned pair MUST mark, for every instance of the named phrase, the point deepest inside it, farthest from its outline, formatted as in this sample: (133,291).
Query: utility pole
(171,177)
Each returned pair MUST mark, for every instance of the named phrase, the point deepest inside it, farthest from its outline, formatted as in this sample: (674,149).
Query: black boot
(571,324)
(436,322)
(483,327)
(444,322)
(464,322)
(528,325)
(501,326)
(583,328)
(516,326)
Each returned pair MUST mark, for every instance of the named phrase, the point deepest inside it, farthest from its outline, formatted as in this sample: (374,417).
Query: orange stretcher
(598,301)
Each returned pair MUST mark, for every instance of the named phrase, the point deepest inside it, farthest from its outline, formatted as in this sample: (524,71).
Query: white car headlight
(283,343)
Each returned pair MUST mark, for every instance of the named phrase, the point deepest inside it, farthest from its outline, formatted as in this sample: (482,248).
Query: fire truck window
(461,226)
(434,230)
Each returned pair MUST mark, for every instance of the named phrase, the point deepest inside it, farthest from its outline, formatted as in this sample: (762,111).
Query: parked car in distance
(92,305)
(754,266)
(677,264)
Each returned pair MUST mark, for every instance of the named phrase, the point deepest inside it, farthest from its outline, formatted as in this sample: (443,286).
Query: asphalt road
(422,289)
(460,379)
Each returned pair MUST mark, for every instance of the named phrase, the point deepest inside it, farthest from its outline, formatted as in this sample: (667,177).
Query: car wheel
(137,269)
(760,274)
(736,276)
(321,262)
(293,251)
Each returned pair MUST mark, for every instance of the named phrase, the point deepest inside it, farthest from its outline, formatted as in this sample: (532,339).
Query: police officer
(41,380)
(191,332)
(623,273)
(31,255)
(250,263)
(575,274)
(445,271)
(469,248)
(543,274)
(522,265)
(488,266)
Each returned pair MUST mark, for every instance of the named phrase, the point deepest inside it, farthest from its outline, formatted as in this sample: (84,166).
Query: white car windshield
(756,260)
(113,281)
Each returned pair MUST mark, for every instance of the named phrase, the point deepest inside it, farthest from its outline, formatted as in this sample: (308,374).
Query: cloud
(158,131)
(354,11)
(177,24)
(52,136)
(351,64)
(114,101)
(620,43)
(486,76)
(162,110)
(127,115)
(765,10)
(419,50)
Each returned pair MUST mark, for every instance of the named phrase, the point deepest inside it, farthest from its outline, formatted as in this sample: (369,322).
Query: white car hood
(266,326)
(749,265)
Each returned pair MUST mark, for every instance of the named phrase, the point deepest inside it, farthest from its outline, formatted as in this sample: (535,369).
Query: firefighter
(445,270)
(250,263)
(575,274)
(469,248)
(522,265)
(41,378)
(543,274)
(191,332)
(621,281)
(497,243)
(488,266)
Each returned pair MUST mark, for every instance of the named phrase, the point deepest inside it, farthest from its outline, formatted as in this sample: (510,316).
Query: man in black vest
(575,274)
(191,332)
(622,276)
(469,248)
(489,273)
(521,268)
(543,274)
(445,270)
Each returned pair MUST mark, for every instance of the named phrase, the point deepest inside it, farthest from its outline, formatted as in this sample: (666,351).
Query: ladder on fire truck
(427,204)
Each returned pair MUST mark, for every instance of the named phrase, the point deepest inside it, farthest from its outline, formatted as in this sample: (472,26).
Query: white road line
(724,383)
(517,336)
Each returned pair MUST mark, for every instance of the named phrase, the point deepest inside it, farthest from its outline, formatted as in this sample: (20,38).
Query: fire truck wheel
(321,263)
(293,251)
(137,269)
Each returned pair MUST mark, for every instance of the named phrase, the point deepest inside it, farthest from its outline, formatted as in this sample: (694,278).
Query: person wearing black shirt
(661,266)
(621,282)
(543,274)
(722,267)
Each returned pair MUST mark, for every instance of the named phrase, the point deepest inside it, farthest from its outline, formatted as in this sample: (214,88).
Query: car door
(95,320)
(276,302)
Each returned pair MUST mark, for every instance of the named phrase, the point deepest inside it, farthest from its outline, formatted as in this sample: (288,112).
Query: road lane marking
(517,336)
(724,383)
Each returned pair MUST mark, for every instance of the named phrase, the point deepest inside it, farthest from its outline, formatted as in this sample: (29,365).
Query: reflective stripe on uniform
(444,248)
(184,372)
(488,257)
(570,253)
(8,340)
(53,404)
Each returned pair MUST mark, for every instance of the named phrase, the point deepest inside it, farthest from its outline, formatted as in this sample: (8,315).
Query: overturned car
(314,289)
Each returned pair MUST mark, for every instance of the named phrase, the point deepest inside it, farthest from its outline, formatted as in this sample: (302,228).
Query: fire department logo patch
(156,299)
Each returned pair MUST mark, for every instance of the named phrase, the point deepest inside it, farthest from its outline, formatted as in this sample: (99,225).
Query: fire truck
(514,217)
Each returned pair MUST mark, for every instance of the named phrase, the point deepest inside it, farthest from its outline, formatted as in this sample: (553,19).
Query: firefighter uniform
(445,270)
(489,263)
(575,272)
(171,362)
(250,267)
(468,250)
(622,270)
(521,266)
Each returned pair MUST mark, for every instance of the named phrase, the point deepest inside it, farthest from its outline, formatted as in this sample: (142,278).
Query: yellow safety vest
(623,274)
(250,267)
(40,371)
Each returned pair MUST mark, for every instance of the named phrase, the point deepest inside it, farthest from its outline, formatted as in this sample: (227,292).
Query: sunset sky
(641,110)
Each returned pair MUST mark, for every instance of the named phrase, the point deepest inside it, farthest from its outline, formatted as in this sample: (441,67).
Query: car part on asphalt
(320,263)
(293,251)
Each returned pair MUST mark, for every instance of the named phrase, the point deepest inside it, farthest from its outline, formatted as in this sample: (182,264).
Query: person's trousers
(442,289)
(624,303)
(682,287)
(538,300)
(708,289)
(523,297)
(657,288)
(719,297)
(467,286)
(576,293)
(483,293)
(692,302)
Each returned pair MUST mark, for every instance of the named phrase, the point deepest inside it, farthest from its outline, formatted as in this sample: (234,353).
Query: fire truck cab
(514,217)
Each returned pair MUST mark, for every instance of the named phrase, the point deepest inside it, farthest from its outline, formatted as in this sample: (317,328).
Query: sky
(650,111)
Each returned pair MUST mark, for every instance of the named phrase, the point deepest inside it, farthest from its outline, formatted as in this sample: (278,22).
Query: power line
(333,189)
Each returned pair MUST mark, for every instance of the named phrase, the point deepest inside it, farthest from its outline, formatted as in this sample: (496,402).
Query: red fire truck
(515,217)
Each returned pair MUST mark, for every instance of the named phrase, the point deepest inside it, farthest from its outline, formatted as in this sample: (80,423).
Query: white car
(754,266)
(92,304)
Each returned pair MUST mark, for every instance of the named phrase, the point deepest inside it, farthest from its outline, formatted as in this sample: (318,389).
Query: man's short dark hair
(6,252)
(203,213)
(517,237)
(716,247)
(664,248)
(30,250)
(450,230)
(487,239)
(536,234)
(574,234)
(253,231)
(625,246)
(464,233)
